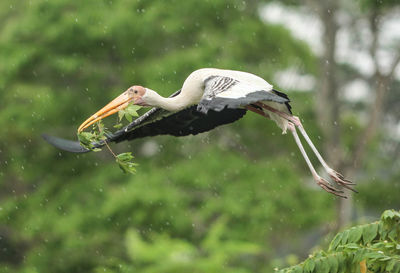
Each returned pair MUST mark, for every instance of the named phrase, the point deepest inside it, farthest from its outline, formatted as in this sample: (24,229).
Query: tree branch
(373,22)
(394,66)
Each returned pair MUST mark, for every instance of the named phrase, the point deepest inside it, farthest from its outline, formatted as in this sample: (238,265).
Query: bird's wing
(158,121)
(185,122)
(222,92)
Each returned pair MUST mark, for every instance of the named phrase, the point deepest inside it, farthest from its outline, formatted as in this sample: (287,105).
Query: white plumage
(209,98)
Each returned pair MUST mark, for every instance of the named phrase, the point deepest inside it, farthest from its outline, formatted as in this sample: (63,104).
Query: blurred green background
(237,199)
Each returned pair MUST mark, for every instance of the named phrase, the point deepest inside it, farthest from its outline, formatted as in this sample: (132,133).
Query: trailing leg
(336,176)
(320,181)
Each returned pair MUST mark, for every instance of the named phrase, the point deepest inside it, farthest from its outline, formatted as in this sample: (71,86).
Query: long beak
(119,103)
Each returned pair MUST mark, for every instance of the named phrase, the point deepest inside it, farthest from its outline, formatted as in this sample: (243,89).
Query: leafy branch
(97,137)
(373,247)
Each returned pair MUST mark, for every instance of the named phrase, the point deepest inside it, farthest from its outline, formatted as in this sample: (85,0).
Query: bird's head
(135,94)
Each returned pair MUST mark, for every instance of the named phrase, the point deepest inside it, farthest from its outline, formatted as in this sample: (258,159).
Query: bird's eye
(135,91)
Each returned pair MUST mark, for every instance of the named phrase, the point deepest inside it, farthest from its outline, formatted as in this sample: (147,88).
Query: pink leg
(320,181)
(337,177)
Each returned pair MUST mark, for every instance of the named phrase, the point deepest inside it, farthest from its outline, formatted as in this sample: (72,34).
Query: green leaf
(375,255)
(390,265)
(309,265)
(396,268)
(359,255)
(351,246)
(369,232)
(393,235)
(322,266)
(333,264)
(128,117)
(355,234)
(132,110)
(385,258)
(87,139)
(345,237)
(342,262)
(297,269)
(335,242)
(388,214)
(118,126)
(124,161)
(125,157)
(121,114)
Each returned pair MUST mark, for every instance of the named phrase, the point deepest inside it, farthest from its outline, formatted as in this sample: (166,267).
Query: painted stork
(208,98)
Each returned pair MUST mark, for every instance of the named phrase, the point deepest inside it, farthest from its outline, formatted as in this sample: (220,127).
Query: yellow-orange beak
(119,103)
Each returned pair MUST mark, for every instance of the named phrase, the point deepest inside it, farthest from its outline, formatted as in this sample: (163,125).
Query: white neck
(191,93)
(173,104)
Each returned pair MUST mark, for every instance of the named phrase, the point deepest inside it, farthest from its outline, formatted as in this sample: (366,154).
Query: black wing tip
(64,144)
(283,95)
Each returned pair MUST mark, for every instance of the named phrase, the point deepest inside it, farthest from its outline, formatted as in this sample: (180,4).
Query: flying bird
(209,97)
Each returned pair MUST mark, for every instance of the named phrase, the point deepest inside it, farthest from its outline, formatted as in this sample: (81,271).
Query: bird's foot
(328,187)
(340,180)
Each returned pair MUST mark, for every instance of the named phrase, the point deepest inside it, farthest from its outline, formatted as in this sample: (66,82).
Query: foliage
(125,163)
(96,138)
(374,246)
(90,139)
(129,112)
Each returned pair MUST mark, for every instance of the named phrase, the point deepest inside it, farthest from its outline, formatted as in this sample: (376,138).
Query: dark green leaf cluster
(90,139)
(96,136)
(124,161)
(376,245)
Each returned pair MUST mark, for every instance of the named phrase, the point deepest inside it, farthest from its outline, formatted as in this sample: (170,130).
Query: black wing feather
(283,95)
(186,122)
(158,121)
